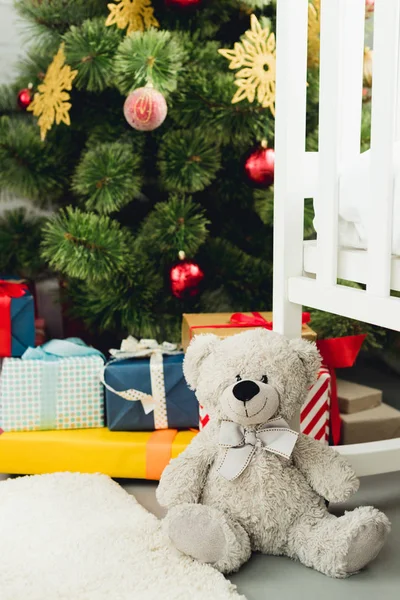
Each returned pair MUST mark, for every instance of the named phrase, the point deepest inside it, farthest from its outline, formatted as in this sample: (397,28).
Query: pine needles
(154,57)
(29,167)
(188,161)
(90,49)
(86,246)
(108,177)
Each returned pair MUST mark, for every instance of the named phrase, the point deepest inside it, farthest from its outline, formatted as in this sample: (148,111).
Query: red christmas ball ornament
(259,166)
(145,109)
(369,6)
(185,278)
(183,4)
(24,98)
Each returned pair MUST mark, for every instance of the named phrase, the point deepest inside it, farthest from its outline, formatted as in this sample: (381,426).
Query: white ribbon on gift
(133,348)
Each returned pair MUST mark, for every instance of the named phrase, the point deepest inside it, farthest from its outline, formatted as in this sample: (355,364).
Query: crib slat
(383,127)
(290,126)
(351,65)
(329,138)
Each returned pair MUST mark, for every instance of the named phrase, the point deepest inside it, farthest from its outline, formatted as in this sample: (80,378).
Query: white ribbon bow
(240,444)
(133,348)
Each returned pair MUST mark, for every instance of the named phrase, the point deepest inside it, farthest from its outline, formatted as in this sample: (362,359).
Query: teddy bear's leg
(339,546)
(209,535)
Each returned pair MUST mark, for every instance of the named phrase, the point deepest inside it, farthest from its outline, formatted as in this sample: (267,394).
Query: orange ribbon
(159,452)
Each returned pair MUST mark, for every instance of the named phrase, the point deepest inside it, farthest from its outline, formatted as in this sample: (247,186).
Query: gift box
(55,386)
(146,389)
(17,318)
(226,324)
(353,397)
(374,424)
(139,455)
(315,412)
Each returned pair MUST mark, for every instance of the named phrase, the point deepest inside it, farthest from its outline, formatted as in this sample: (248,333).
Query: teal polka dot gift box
(55,386)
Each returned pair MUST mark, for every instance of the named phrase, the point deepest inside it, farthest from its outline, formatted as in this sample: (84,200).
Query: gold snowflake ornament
(313,33)
(254,55)
(50,102)
(135,15)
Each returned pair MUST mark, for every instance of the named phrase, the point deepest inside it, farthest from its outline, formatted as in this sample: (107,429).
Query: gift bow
(240,444)
(56,349)
(12,289)
(8,289)
(133,348)
(257,320)
(51,353)
(156,401)
(238,320)
(338,353)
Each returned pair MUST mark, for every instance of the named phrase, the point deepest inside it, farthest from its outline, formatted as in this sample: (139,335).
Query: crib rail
(297,173)
(308,275)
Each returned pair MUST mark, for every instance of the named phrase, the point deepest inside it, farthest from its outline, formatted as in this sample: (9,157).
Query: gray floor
(276,578)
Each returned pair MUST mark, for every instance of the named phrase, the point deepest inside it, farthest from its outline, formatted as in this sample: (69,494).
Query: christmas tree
(148,126)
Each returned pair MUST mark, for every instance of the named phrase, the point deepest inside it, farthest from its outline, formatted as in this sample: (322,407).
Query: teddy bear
(248,482)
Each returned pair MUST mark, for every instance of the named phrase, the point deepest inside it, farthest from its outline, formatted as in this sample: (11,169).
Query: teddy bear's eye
(238,378)
(264,379)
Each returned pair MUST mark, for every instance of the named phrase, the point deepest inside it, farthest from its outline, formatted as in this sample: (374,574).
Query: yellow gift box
(226,324)
(125,454)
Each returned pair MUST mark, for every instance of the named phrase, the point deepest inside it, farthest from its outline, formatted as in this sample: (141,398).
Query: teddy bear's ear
(199,348)
(310,357)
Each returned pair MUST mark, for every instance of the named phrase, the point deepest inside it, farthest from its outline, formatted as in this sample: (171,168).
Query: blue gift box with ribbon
(17,318)
(146,389)
(54,386)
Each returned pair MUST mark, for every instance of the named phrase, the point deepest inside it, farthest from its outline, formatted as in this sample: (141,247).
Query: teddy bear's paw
(368,539)
(208,535)
(196,531)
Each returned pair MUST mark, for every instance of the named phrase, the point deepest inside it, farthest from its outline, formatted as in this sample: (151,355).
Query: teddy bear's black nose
(245,390)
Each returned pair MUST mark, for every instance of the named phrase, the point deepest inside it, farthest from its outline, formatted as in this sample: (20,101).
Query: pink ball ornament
(369,6)
(145,109)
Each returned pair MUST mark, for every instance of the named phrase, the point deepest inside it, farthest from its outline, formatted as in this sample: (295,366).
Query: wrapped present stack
(365,418)
(52,409)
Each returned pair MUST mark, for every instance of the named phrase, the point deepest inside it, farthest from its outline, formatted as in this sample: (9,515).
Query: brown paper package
(379,423)
(353,397)
(204,324)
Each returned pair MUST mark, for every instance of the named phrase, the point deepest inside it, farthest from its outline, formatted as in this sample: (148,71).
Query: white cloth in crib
(354,201)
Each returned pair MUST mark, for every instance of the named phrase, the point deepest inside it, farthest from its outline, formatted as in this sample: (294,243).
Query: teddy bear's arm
(183,479)
(327,472)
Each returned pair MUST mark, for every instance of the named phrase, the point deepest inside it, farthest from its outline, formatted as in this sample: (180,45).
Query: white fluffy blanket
(69,536)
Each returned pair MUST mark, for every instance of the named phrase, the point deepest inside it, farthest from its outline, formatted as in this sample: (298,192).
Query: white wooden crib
(306,273)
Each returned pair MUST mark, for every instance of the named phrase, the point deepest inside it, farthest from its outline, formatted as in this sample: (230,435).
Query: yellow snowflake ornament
(313,33)
(136,15)
(254,55)
(50,101)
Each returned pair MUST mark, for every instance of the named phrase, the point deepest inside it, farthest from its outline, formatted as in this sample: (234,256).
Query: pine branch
(178,224)
(151,57)
(264,207)
(20,237)
(90,49)
(8,98)
(86,246)
(108,177)
(125,306)
(58,15)
(28,167)
(187,161)
(247,280)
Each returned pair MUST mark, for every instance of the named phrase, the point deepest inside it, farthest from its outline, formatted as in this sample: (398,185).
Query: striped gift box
(314,415)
